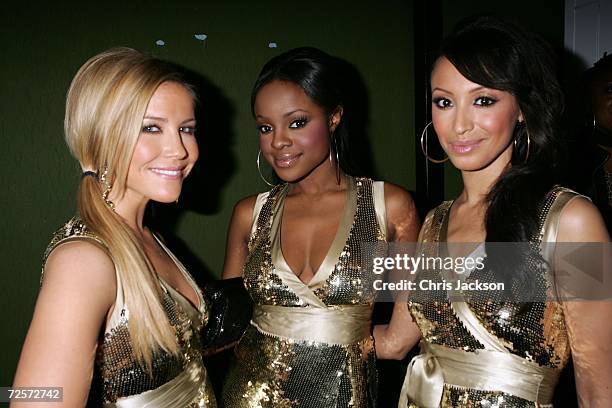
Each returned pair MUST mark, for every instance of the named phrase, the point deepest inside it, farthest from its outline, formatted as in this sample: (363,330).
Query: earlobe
(335,118)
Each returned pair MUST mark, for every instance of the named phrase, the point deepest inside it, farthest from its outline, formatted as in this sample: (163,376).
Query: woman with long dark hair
(300,247)
(496,107)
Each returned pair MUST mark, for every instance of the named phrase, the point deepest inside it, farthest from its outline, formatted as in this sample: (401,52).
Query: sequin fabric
(535,331)
(271,371)
(116,372)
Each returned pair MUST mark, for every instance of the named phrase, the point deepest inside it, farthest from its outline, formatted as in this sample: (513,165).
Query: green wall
(43,44)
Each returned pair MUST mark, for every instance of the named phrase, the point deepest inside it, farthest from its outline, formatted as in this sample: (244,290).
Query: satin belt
(181,391)
(341,325)
(485,370)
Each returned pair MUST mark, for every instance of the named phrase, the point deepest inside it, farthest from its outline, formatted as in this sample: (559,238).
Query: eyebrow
(475,89)
(284,114)
(159,118)
(156,118)
(294,111)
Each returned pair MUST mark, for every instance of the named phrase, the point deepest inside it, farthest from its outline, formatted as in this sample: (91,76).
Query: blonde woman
(118,318)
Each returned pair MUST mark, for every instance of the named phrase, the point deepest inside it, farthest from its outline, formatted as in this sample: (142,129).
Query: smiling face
(474,124)
(294,131)
(166,149)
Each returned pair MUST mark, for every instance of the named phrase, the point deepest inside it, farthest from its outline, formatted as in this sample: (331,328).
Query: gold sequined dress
(309,345)
(484,352)
(119,380)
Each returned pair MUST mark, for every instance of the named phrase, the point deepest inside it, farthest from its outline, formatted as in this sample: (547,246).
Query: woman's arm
(589,322)
(236,249)
(394,340)
(77,292)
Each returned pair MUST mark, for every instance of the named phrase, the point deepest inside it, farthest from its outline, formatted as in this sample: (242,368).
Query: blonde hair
(105,107)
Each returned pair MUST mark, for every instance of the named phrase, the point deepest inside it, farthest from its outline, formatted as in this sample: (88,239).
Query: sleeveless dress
(483,351)
(309,345)
(119,380)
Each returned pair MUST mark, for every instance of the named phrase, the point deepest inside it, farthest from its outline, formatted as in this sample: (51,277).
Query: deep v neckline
(334,251)
(443,237)
(185,275)
(477,251)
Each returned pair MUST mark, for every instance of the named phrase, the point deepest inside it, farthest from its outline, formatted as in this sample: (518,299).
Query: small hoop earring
(259,170)
(424,144)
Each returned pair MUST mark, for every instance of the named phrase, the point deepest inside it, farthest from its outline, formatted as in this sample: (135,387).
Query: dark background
(43,45)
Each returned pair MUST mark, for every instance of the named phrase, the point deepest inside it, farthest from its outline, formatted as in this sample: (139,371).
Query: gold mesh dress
(119,380)
(309,345)
(484,352)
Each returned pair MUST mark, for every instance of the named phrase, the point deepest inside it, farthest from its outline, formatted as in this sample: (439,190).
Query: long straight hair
(105,107)
(496,54)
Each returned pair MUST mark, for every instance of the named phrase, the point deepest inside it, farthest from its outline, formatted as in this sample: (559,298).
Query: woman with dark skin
(496,107)
(600,92)
(598,80)
(299,248)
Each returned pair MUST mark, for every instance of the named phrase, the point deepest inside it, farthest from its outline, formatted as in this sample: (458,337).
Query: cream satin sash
(482,370)
(181,391)
(341,325)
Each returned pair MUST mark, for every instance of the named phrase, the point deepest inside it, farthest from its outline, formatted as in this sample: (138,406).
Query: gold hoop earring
(334,143)
(104,180)
(528,142)
(424,144)
(259,170)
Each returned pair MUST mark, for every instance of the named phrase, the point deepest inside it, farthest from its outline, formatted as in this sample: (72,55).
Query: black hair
(603,65)
(318,74)
(497,54)
(588,79)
